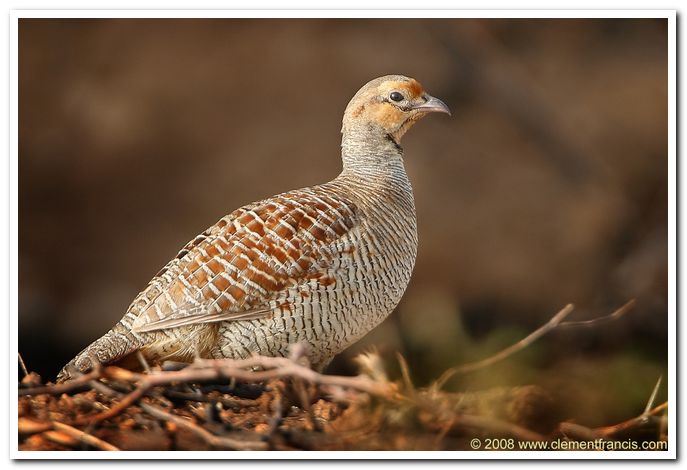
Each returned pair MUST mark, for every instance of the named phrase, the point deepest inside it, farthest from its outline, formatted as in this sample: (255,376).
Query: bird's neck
(371,155)
(375,178)
(374,174)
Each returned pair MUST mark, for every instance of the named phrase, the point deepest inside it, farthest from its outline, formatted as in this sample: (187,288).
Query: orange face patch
(387,115)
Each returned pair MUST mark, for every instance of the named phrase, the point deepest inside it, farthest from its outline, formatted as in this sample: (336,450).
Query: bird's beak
(433,105)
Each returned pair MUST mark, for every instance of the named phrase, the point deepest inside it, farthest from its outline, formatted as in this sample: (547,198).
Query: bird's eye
(396,96)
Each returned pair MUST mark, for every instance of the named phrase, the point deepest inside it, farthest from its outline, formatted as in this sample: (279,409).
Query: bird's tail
(113,346)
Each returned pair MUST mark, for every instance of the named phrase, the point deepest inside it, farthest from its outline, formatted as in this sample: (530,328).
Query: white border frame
(670,15)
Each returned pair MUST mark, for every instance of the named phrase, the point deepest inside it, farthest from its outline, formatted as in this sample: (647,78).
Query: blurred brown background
(547,186)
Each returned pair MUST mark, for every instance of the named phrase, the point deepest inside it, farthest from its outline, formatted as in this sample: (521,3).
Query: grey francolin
(321,265)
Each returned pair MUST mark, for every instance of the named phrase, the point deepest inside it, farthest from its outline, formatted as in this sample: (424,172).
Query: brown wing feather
(235,268)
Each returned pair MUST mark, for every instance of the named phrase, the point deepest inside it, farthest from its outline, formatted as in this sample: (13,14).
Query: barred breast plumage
(321,265)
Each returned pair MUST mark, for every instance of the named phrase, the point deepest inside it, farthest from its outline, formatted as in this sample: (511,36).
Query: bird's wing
(238,267)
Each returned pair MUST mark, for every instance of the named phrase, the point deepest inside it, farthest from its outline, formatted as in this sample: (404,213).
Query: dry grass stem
(408,385)
(23,365)
(652,398)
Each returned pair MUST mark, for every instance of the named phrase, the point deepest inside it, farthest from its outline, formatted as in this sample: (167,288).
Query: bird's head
(390,105)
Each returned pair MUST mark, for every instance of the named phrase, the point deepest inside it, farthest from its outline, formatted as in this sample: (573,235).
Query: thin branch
(234,403)
(584,433)
(597,321)
(607,431)
(32,426)
(60,438)
(83,437)
(555,322)
(520,345)
(144,363)
(641,419)
(127,401)
(305,397)
(276,419)
(213,440)
(103,389)
(64,387)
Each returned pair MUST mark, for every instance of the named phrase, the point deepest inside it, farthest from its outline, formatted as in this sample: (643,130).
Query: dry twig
(144,363)
(220,442)
(503,354)
(64,387)
(555,322)
(31,426)
(82,436)
(600,320)
(240,369)
(607,431)
(582,432)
